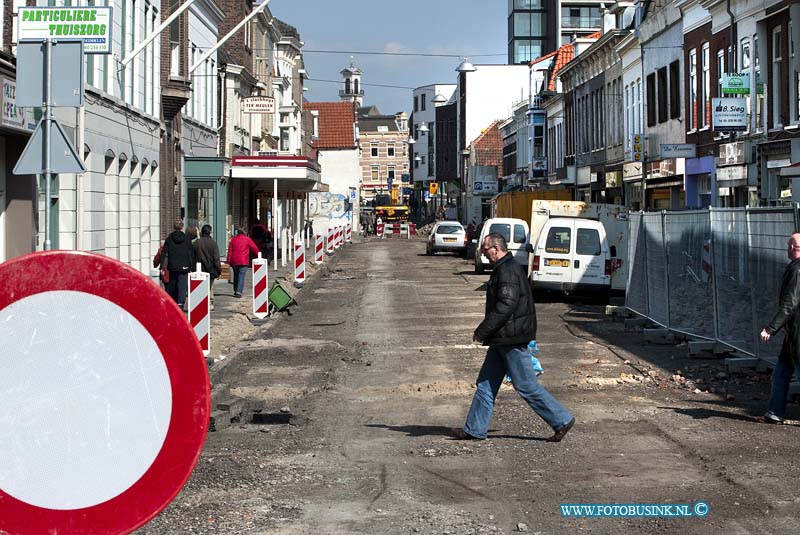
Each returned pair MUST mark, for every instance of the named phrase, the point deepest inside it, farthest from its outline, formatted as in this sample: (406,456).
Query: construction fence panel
(713,274)
(769,230)
(655,254)
(636,292)
(690,289)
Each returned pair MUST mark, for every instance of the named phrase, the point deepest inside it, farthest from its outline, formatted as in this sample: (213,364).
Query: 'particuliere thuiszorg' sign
(92,25)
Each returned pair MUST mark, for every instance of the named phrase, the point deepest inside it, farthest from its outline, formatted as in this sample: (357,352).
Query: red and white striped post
(412,230)
(337,234)
(348,233)
(299,261)
(318,249)
(199,313)
(260,285)
(404,229)
(379,231)
(330,240)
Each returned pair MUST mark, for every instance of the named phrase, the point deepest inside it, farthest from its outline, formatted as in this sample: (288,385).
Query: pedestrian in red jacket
(239,250)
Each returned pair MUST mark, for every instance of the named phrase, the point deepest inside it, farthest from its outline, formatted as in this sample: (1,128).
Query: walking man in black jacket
(508,325)
(786,318)
(178,256)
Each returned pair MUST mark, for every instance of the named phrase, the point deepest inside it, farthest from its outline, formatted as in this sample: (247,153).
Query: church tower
(352,91)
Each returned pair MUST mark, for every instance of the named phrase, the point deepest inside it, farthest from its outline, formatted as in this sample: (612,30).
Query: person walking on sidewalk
(508,325)
(239,250)
(177,256)
(786,319)
(206,251)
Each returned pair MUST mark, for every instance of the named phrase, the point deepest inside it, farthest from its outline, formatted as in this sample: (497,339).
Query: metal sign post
(48,115)
(49,151)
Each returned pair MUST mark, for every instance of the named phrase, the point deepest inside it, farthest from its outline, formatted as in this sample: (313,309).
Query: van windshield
(558,239)
(504,229)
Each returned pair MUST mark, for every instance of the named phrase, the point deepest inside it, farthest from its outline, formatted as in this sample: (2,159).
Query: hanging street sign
(92,25)
(258,105)
(63,156)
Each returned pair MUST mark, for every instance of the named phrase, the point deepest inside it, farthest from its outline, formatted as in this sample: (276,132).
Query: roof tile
(336,125)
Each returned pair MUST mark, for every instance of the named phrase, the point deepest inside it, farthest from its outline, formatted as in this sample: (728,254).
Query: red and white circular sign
(104,396)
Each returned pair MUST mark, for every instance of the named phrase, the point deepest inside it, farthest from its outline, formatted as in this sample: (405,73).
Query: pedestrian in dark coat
(786,319)
(177,256)
(206,251)
(509,324)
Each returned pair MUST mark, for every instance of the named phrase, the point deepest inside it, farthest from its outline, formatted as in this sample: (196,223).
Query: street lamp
(465,66)
(411,140)
(439,98)
(423,129)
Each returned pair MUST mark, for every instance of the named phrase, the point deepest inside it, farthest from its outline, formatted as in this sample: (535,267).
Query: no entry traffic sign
(104,396)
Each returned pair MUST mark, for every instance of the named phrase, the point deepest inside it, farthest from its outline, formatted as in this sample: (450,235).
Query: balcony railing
(343,93)
(580,22)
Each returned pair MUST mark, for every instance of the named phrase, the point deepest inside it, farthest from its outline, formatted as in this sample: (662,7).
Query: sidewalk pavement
(232,320)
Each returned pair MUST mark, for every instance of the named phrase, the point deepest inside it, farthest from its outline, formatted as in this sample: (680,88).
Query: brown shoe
(459,434)
(561,433)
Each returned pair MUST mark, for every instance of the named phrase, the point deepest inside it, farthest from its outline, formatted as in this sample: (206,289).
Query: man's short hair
(497,240)
(206,230)
(178,224)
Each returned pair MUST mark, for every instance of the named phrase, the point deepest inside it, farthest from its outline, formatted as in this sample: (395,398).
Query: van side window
(588,242)
(504,229)
(519,234)
(558,239)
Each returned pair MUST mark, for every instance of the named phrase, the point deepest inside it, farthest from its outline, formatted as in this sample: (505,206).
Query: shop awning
(293,173)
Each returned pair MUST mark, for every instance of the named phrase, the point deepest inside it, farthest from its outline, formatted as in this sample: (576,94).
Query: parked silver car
(447,236)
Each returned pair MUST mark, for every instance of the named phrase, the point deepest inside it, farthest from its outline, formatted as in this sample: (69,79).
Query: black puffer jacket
(177,254)
(788,310)
(510,313)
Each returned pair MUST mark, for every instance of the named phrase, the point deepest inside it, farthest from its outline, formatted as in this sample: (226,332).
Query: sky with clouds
(474,28)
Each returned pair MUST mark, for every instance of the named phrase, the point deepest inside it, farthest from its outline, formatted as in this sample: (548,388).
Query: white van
(573,255)
(516,233)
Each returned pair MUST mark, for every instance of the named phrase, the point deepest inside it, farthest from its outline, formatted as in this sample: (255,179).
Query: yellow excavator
(390,208)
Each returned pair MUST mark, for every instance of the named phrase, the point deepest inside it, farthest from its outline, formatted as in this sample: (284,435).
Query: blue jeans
(516,362)
(781,377)
(239,273)
(178,286)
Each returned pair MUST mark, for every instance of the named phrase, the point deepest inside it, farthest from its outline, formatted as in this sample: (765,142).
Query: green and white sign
(92,25)
(736,83)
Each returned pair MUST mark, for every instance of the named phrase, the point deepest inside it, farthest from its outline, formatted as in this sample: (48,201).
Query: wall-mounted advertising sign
(736,83)
(728,114)
(678,150)
(92,25)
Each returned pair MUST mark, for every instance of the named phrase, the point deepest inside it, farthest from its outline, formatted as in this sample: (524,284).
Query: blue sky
(461,27)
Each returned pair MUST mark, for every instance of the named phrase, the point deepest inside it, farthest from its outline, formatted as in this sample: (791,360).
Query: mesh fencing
(713,274)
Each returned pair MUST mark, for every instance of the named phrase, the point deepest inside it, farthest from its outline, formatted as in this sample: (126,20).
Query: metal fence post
(714,286)
(753,313)
(666,264)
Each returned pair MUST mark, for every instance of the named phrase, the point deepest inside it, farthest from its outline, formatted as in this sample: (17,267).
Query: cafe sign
(92,25)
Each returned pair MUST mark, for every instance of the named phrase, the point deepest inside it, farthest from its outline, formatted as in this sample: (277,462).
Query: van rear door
(590,251)
(554,250)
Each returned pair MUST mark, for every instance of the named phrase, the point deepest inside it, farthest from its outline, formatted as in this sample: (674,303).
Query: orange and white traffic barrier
(379,231)
(404,229)
(199,309)
(348,233)
(318,249)
(330,240)
(412,230)
(299,262)
(260,285)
